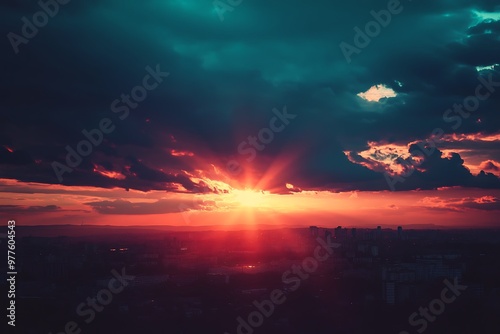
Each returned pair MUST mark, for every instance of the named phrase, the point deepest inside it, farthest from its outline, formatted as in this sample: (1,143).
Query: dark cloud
(437,170)
(15,157)
(225,79)
(18,209)
(487,203)
(484,203)
(122,207)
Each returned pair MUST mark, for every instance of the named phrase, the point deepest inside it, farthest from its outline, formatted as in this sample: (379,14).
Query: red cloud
(491,166)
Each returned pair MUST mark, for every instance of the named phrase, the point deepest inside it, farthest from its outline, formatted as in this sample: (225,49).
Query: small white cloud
(377,92)
(481,16)
(486,68)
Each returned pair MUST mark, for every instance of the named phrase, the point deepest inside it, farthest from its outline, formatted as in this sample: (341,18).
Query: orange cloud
(490,166)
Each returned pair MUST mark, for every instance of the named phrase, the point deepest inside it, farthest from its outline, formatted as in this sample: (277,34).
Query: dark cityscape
(341,280)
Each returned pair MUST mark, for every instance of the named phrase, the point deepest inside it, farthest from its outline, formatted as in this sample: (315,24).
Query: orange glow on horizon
(250,198)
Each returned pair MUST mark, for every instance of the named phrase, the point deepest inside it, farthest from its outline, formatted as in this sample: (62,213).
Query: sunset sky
(254,115)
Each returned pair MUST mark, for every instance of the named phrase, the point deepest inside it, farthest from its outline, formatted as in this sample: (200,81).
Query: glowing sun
(250,197)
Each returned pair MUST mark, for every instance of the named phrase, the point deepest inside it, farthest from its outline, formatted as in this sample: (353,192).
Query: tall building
(400,232)
(390,293)
(338,232)
(314,230)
